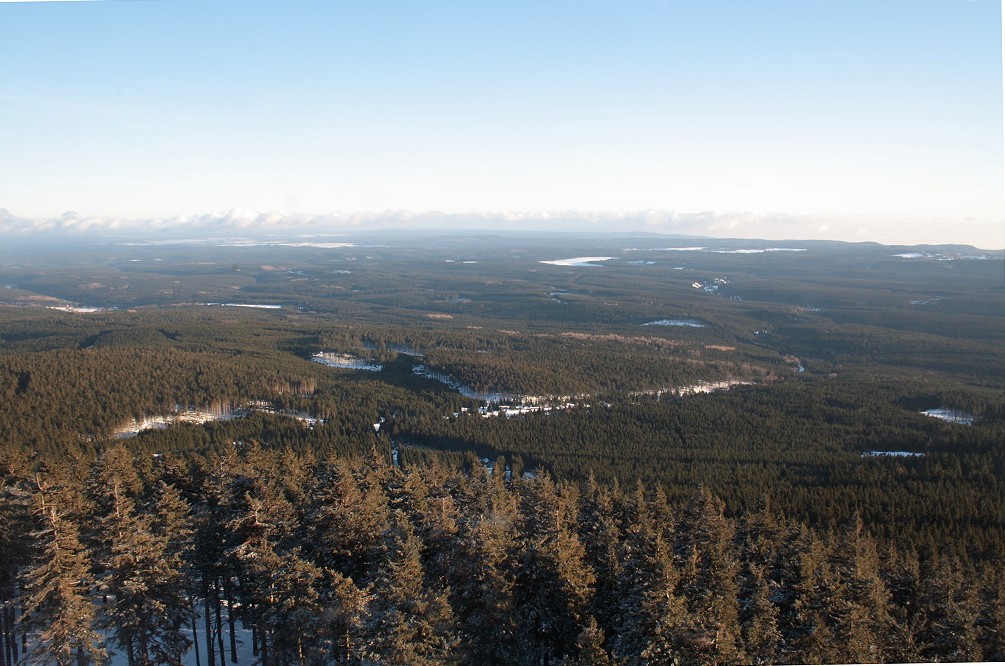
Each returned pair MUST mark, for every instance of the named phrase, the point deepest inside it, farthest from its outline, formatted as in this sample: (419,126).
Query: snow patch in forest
(693,389)
(951,416)
(894,454)
(162,421)
(345,361)
(243,640)
(195,416)
(526,406)
(407,350)
(466,391)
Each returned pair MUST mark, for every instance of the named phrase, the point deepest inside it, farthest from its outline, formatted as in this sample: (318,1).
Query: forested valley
(436,449)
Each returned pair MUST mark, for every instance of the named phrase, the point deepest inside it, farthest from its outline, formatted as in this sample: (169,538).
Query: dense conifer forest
(435,449)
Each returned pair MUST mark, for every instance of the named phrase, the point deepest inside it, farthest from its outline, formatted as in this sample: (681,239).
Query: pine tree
(600,532)
(411,625)
(58,606)
(344,617)
(590,647)
(293,612)
(253,559)
(214,507)
(16,527)
(144,581)
(809,638)
(554,584)
(653,622)
(710,582)
(345,523)
(951,607)
(759,618)
(861,601)
(483,587)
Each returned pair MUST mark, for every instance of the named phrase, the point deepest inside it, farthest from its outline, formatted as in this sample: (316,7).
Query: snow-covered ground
(694,389)
(528,404)
(162,421)
(895,454)
(198,416)
(950,416)
(466,391)
(396,348)
(346,361)
(245,651)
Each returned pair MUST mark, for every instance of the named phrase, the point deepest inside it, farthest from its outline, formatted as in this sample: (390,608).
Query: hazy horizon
(247,224)
(855,121)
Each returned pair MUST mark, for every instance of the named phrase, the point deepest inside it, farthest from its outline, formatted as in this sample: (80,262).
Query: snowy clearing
(950,416)
(466,391)
(345,361)
(199,416)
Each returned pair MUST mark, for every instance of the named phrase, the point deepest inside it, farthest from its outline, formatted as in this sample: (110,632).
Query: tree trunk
(5,629)
(210,659)
(228,593)
(195,634)
(219,620)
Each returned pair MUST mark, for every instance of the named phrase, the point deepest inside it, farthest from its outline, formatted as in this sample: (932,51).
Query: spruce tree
(554,583)
(144,582)
(411,625)
(58,606)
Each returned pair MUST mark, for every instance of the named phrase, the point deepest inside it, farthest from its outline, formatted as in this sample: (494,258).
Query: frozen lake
(690,323)
(577,261)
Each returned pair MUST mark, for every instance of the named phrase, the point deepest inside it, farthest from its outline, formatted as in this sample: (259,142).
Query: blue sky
(860,120)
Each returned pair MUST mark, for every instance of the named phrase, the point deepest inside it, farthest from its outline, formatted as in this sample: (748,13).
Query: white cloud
(983,233)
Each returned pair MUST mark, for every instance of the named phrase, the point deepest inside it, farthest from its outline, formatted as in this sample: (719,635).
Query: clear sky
(859,120)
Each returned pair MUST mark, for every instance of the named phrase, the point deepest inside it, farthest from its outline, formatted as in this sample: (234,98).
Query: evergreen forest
(425,448)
